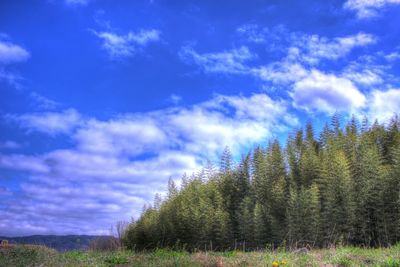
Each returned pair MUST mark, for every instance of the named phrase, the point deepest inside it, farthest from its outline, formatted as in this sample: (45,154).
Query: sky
(102,102)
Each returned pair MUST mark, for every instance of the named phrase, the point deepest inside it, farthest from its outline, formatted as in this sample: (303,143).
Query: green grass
(347,256)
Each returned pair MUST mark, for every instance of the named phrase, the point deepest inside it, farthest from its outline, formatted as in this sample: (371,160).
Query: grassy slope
(41,256)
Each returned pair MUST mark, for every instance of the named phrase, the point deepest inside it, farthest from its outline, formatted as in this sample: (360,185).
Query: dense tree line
(340,188)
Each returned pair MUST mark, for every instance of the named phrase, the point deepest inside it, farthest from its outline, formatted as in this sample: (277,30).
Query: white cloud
(310,88)
(252,33)
(120,46)
(12,53)
(230,61)
(11,78)
(364,77)
(327,93)
(282,72)
(131,135)
(77,2)
(393,56)
(314,48)
(43,102)
(23,163)
(115,166)
(49,122)
(365,73)
(309,48)
(174,99)
(384,104)
(10,145)
(367,8)
(269,37)
(303,52)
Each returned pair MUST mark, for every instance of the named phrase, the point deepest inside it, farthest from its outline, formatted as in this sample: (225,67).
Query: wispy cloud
(174,99)
(313,48)
(122,46)
(115,166)
(393,56)
(253,33)
(77,2)
(49,122)
(10,145)
(297,72)
(230,61)
(368,8)
(43,102)
(282,72)
(12,53)
(365,72)
(309,48)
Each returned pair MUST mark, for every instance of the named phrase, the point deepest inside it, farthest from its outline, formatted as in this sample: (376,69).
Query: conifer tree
(341,189)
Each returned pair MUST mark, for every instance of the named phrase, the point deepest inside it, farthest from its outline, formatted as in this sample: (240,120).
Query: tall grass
(28,255)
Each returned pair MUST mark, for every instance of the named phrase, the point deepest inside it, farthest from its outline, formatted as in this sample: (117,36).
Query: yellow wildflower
(283,262)
(275,264)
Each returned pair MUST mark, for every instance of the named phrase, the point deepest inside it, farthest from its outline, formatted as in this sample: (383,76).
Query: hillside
(57,242)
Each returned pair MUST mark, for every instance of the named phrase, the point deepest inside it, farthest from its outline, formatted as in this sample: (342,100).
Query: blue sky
(102,101)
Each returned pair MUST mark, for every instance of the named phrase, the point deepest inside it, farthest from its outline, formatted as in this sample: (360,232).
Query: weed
(115,259)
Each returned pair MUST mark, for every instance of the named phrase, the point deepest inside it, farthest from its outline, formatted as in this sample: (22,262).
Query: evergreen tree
(342,189)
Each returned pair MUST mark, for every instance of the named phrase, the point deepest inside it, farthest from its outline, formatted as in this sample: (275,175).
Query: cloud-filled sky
(101,102)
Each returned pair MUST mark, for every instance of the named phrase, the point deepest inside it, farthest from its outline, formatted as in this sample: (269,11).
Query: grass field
(29,255)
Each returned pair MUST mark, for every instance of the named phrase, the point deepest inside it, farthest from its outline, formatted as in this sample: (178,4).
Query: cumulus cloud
(230,61)
(121,46)
(116,166)
(384,104)
(298,70)
(327,93)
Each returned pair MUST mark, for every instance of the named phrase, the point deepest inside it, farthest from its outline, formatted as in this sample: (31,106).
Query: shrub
(25,255)
(116,259)
(104,244)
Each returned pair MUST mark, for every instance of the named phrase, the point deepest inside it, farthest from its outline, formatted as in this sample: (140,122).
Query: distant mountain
(57,242)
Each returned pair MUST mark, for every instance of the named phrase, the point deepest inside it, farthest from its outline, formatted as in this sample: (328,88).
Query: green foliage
(391,263)
(116,259)
(75,255)
(342,189)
